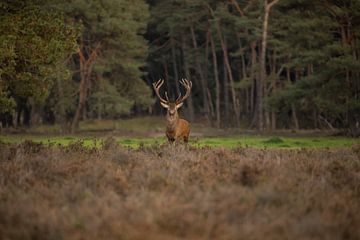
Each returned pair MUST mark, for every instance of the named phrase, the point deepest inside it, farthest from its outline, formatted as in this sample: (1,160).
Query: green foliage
(273,140)
(245,83)
(6,103)
(118,27)
(33,41)
(311,38)
(109,103)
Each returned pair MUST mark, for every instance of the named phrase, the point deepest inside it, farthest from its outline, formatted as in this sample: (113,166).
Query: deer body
(177,129)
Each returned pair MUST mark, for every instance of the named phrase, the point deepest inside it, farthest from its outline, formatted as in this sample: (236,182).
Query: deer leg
(170,137)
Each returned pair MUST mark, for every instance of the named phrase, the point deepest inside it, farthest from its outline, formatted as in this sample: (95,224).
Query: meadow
(257,141)
(149,131)
(123,181)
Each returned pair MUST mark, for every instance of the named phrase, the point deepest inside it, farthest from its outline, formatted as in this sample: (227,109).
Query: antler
(157,85)
(187,85)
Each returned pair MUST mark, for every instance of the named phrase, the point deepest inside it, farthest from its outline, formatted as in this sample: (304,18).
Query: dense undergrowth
(178,192)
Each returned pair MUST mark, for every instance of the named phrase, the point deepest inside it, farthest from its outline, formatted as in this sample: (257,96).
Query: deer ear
(179,105)
(164,105)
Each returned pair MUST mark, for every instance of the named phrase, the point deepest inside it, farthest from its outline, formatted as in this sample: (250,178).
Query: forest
(257,64)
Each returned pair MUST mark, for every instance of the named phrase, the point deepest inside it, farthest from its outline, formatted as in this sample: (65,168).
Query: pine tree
(111,48)
(34,43)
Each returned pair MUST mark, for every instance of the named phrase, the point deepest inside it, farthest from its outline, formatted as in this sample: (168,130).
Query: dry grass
(166,192)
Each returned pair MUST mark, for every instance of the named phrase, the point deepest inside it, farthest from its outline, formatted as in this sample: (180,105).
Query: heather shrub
(177,192)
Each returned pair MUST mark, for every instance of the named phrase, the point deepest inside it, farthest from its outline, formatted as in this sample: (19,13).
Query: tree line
(263,64)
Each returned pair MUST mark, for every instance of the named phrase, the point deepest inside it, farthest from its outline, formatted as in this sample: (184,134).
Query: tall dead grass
(167,192)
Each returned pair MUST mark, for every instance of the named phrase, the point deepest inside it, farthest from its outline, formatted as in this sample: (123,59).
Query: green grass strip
(229,142)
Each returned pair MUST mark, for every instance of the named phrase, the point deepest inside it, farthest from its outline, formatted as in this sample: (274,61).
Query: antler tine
(187,85)
(157,85)
(179,97)
(166,96)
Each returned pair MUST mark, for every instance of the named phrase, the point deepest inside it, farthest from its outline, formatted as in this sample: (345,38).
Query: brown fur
(177,129)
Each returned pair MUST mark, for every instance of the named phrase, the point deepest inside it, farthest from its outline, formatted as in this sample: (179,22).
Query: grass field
(178,192)
(117,180)
(149,130)
(230,142)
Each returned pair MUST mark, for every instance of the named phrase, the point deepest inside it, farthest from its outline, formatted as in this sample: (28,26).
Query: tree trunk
(201,74)
(206,60)
(242,77)
(211,106)
(35,117)
(226,95)
(293,109)
(81,103)
(166,75)
(206,75)
(274,90)
(99,79)
(60,117)
(175,67)
(86,61)
(347,40)
(100,109)
(294,117)
(189,100)
(217,82)
(260,93)
(315,118)
(267,119)
(315,111)
(230,76)
(244,92)
(15,119)
(253,79)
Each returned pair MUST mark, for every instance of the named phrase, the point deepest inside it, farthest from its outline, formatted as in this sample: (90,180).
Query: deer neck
(172,121)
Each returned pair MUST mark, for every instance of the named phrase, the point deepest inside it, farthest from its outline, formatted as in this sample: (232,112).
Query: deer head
(172,107)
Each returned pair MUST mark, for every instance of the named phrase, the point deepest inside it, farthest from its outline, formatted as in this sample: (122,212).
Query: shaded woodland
(262,64)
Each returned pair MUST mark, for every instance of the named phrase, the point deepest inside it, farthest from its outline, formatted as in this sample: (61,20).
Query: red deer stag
(176,128)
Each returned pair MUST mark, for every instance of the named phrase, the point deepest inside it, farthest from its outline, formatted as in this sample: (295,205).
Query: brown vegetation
(177,192)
